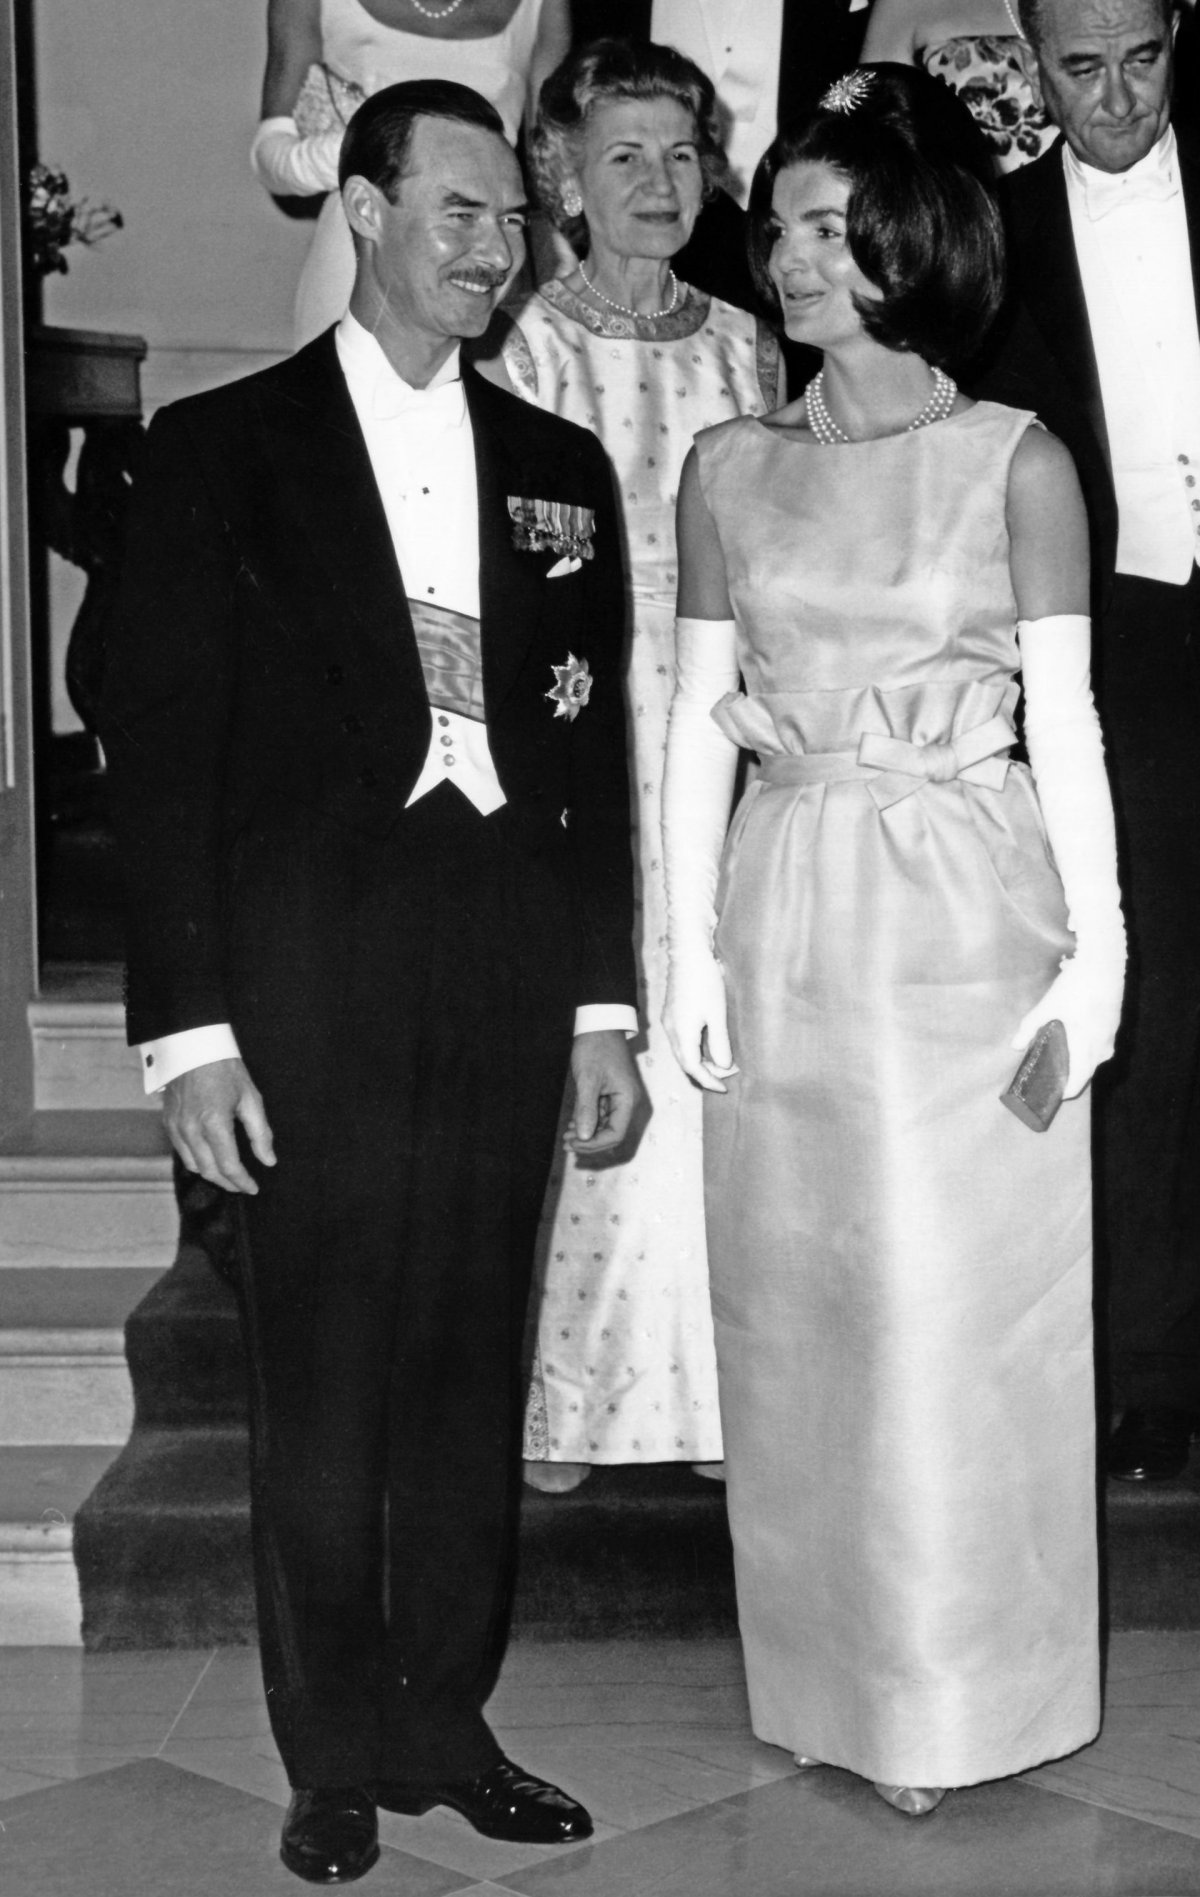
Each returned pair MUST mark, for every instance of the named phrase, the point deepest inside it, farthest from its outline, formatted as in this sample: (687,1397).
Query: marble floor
(122,1774)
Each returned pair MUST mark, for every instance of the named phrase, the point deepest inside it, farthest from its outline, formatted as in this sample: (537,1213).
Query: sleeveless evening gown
(901,1270)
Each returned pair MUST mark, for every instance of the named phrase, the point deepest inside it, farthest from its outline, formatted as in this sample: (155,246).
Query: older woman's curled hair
(606,70)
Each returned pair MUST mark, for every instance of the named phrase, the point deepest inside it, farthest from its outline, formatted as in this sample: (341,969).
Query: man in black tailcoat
(1104,236)
(364,725)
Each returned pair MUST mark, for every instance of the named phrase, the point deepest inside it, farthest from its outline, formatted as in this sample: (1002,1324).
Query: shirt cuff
(176,1054)
(597,1015)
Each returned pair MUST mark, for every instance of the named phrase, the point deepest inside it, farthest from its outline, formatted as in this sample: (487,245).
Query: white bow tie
(1105,191)
(394,399)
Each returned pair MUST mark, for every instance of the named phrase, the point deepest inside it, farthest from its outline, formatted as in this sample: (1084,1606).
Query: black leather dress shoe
(503,1802)
(330,1836)
(1150,1445)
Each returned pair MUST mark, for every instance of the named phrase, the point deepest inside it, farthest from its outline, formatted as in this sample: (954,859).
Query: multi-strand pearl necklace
(436,13)
(623,309)
(826,431)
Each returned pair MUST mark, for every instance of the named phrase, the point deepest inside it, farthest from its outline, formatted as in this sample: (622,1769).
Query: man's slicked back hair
(379,136)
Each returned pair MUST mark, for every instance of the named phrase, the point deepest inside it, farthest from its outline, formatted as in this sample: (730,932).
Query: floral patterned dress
(991,74)
(625,1368)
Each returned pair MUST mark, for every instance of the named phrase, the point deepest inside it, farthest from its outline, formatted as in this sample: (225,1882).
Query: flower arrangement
(54,219)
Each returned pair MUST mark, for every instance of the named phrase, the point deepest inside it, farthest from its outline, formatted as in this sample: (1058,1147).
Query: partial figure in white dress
(625,1370)
(901,1269)
(326,56)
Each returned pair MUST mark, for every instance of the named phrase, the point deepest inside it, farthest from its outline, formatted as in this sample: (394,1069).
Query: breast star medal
(572,687)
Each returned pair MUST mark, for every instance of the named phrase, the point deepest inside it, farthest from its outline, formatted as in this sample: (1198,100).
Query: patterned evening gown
(901,1270)
(625,1370)
(990,73)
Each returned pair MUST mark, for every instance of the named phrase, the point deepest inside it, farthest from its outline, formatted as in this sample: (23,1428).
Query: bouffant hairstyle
(602,71)
(921,218)
(379,136)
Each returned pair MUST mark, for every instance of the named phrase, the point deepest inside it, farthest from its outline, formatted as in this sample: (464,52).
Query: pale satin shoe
(556,1478)
(915,1801)
(805,1763)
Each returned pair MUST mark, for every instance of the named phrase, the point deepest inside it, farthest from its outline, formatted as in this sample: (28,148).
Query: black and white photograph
(600,948)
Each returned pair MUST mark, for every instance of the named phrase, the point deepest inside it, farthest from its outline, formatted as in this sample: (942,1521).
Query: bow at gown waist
(895,768)
(935,731)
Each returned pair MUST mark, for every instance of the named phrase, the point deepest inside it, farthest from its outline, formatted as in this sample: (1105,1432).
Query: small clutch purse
(1035,1091)
(325,102)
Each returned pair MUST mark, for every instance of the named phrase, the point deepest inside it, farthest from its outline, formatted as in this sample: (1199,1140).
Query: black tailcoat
(1145,652)
(1043,357)
(402,983)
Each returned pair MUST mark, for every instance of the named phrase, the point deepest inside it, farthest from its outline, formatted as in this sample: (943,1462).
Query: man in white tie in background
(1104,236)
(364,721)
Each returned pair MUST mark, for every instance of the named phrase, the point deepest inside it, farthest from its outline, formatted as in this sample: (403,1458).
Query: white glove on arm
(697,792)
(1066,754)
(291,166)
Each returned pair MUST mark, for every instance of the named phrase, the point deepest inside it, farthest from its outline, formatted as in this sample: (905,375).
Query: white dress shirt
(1131,240)
(422,454)
(736,42)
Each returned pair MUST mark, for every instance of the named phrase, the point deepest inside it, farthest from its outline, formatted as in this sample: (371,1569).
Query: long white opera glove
(291,166)
(1066,754)
(697,792)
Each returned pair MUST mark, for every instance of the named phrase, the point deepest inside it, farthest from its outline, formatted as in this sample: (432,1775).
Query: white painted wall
(150,105)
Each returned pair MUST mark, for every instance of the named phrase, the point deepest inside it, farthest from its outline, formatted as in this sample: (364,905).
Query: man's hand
(200,1112)
(607,1089)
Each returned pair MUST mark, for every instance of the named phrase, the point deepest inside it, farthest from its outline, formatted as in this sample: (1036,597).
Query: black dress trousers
(1147,668)
(384,1267)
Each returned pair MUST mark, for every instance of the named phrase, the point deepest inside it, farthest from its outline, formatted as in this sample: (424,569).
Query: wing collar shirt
(422,454)
(1131,240)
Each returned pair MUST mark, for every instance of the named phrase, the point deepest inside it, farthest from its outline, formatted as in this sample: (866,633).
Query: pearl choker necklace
(828,434)
(623,309)
(436,13)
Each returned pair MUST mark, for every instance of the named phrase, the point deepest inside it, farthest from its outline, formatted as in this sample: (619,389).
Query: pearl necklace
(1018,29)
(436,13)
(828,434)
(623,309)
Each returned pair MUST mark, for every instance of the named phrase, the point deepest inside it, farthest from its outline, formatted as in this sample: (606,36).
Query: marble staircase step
(63,1371)
(163,1548)
(80,1056)
(87,1189)
(41,1489)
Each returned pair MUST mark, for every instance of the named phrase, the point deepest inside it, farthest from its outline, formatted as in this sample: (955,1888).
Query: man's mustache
(481,279)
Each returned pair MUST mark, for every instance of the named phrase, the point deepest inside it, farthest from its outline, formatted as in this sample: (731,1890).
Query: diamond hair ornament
(851,90)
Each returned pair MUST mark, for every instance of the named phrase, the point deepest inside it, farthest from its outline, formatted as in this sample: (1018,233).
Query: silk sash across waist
(894,769)
(448,643)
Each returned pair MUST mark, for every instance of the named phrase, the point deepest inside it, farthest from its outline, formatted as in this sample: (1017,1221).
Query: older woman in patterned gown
(624,150)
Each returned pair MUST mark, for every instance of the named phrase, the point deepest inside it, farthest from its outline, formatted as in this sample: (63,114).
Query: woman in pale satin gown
(901,1269)
(325,56)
